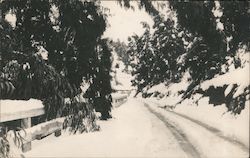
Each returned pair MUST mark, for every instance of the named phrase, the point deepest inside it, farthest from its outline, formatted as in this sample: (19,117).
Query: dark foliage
(121,49)
(163,56)
(70,36)
(80,117)
(100,88)
(155,57)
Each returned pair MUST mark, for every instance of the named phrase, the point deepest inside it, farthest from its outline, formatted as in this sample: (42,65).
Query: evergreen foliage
(69,32)
(200,41)
(154,58)
(100,88)
(121,49)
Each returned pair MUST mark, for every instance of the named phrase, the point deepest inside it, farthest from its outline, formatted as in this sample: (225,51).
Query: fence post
(26,123)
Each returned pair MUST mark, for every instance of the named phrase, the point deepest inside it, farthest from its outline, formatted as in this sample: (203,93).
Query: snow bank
(236,126)
(198,107)
(121,136)
(173,87)
(239,76)
(230,125)
(170,92)
(158,88)
(209,143)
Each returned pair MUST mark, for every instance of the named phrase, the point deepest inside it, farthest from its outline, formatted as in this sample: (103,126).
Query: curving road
(184,143)
(141,129)
(202,140)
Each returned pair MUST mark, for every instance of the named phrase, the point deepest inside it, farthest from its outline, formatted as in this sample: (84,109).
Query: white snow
(118,95)
(230,125)
(240,90)
(170,92)
(206,142)
(239,76)
(30,134)
(217,116)
(11,18)
(173,87)
(133,132)
(11,106)
(158,88)
(228,89)
(198,107)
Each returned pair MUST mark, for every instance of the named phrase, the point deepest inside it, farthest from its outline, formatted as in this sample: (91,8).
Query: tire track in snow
(215,131)
(184,143)
(212,129)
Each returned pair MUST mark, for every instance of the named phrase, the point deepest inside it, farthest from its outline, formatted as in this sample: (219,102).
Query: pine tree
(100,88)
(121,49)
(156,55)
(70,36)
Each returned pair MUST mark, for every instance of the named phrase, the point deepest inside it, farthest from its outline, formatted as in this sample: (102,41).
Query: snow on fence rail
(119,99)
(20,109)
(11,110)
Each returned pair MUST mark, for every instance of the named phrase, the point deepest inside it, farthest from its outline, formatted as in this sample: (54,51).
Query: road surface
(141,129)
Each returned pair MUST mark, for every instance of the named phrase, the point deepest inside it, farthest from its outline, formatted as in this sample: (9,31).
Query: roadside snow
(173,88)
(133,132)
(198,107)
(158,88)
(235,126)
(239,76)
(205,141)
(170,92)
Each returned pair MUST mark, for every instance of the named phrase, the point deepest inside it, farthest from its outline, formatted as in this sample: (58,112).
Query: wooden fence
(118,100)
(23,112)
(12,112)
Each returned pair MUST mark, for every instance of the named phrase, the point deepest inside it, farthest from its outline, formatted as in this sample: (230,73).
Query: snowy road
(206,141)
(140,130)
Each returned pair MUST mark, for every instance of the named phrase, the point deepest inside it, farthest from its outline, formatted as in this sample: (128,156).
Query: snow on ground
(239,76)
(174,88)
(170,92)
(30,134)
(206,142)
(133,132)
(235,126)
(198,107)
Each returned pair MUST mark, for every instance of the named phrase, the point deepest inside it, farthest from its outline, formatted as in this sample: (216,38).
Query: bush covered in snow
(80,117)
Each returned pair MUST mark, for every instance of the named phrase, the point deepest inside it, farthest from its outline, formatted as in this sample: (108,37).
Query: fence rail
(119,99)
(13,110)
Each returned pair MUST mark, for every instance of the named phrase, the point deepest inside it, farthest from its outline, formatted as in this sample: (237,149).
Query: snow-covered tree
(68,31)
